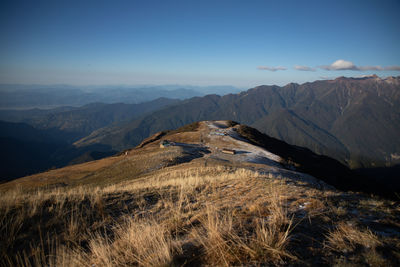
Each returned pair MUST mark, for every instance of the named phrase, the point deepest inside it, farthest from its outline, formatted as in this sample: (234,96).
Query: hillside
(36,140)
(81,121)
(217,193)
(27,150)
(354,120)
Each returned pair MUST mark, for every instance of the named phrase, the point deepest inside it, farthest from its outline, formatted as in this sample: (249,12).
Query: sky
(239,43)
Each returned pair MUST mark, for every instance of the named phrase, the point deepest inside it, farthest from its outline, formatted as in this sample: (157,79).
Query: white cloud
(304,68)
(348,65)
(271,68)
(340,65)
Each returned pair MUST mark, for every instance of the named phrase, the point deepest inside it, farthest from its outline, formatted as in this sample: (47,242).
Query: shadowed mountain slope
(354,120)
(28,149)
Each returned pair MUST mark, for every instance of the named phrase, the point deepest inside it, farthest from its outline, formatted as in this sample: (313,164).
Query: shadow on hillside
(21,158)
(189,153)
(378,181)
(381,180)
(242,152)
(198,146)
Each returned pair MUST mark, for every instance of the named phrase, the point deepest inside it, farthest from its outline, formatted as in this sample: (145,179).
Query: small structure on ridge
(228,151)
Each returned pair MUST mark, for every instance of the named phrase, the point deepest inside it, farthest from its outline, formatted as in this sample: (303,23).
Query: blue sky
(240,43)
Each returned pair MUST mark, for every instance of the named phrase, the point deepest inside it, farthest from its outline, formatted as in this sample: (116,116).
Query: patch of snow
(246,152)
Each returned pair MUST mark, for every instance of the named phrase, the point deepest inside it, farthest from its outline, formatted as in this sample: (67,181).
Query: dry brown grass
(66,175)
(208,216)
(148,222)
(165,207)
(107,171)
(228,241)
(360,245)
(348,237)
(145,243)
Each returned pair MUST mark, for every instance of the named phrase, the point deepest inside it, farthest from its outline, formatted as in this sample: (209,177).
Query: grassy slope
(133,164)
(165,207)
(197,216)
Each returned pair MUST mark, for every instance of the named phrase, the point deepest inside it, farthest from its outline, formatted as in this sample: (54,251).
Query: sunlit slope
(198,144)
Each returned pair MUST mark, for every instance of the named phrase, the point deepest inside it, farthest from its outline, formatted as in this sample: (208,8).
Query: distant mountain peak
(372,77)
(362,77)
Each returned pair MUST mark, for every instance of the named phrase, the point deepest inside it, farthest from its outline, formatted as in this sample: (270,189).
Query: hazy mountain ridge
(355,120)
(83,120)
(51,96)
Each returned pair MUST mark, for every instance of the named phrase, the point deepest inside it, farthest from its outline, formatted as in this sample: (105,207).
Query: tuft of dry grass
(217,236)
(146,243)
(348,237)
(228,241)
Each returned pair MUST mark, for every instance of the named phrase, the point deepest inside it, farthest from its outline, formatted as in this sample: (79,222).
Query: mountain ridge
(14,96)
(332,117)
(203,142)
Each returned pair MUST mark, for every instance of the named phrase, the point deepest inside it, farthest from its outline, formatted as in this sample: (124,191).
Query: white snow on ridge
(245,152)
(221,136)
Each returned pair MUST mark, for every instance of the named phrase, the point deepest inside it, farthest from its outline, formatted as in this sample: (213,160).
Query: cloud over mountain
(340,65)
(271,68)
(348,65)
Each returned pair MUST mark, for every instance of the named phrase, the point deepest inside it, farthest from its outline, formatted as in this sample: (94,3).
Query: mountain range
(354,120)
